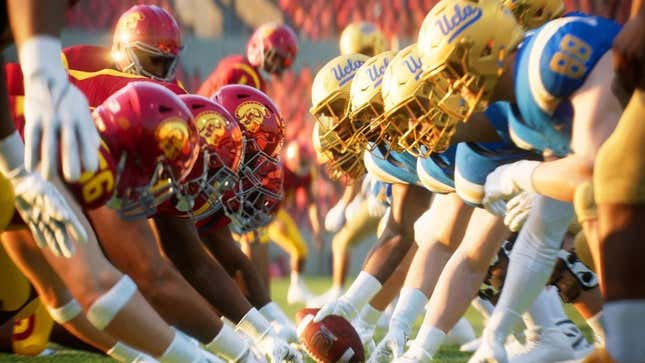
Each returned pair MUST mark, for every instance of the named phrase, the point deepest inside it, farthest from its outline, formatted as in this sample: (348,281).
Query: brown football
(332,340)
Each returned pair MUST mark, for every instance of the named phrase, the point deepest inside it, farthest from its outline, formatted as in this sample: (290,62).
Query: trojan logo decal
(211,127)
(251,114)
(323,340)
(129,21)
(172,136)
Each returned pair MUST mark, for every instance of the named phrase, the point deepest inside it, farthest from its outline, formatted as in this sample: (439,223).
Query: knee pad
(108,305)
(65,313)
(584,203)
(571,276)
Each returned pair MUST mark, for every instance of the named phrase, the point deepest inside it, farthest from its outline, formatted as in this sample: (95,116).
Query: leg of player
(438,233)
(112,302)
(458,283)
(258,254)
(620,194)
(221,244)
(359,228)
(161,284)
(534,255)
(408,203)
(181,243)
(284,232)
(63,308)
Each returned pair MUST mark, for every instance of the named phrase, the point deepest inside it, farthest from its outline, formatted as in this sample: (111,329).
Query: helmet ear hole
(164,109)
(488,49)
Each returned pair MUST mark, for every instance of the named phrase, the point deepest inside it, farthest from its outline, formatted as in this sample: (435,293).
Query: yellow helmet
(364,38)
(410,120)
(330,99)
(366,103)
(463,44)
(533,13)
(347,166)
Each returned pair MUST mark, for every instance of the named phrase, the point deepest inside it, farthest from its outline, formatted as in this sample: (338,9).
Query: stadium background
(213,29)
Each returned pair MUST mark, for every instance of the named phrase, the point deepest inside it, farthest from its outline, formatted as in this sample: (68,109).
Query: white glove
(517,210)
(360,293)
(335,218)
(266,339)
(39,203)
(490,351)
(390,347)
(505,182)
(55,110)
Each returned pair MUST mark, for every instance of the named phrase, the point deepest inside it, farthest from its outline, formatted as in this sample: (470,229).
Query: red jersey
(234,69)
(293,181)
(87,58)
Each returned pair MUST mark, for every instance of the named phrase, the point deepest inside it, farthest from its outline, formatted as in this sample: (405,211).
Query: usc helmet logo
(211,127)
(129,21)
(172,136)
(251,114)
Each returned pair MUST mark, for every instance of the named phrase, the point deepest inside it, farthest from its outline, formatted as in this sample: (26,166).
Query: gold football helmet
(366,103)
(463,45)
(533,13)
(330,100)
(346,166)
(363,38)
(411,121)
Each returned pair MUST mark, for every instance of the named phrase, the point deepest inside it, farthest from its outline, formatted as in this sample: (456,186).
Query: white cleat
(330,295)
(414,354)
(490,351)
(552,345)
(298,293)
(462,333)
(581,347)
(471,346)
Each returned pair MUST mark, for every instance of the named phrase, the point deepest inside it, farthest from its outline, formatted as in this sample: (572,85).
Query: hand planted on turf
(366,334)
(285,331)
(390,347)
(46,212)
(517,210)
(340,307)
(252,356)
(490,351)
(414,354)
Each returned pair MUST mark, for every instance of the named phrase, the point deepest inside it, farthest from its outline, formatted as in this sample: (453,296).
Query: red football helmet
(273,47)
(216,169)
(257,115)
(150,133)
(257,197)
(147,42)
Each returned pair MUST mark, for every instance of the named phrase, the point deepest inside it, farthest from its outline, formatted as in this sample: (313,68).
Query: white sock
(126,354)
(295,278)
(180,350)
(483,306)
(541,315)
(410,305)
(429,339)
(533,258)
(596,324)
(625,324)
(369,316)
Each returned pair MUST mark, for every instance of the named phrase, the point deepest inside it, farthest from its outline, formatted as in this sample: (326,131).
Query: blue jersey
(475,160)
(551,64)
(390,166)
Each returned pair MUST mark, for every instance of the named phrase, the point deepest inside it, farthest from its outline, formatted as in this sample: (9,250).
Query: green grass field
(279,293)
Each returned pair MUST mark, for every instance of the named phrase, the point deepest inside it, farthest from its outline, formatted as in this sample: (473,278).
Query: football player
(447,132)
(272,48)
